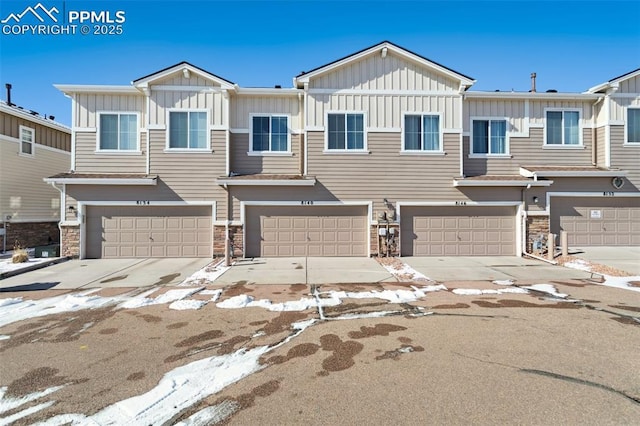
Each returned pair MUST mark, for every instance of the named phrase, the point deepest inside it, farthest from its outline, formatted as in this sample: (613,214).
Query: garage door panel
(316,231)
(457,231)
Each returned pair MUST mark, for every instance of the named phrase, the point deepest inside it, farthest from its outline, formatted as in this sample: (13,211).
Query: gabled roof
(614,81)
(181,66)
(305,76)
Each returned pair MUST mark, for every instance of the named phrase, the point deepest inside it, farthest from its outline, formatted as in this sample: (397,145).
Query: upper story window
(188,130)
(345,132)
(27,141)
(118,132)
(269,133)
(422,133)
(633,125)
(489,137)
(563,128)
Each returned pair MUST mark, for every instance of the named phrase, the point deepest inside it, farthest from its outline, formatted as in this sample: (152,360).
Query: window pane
(108,131)
(178,136)
(554,127)
(260,134)
(498,137)
(633,125)
(571,128)
(279,133)
(431,133)
(355,131)
(26,135)
(27,148)
(197,130)
(480,137)
(336,135)
(128,131)
(412,132)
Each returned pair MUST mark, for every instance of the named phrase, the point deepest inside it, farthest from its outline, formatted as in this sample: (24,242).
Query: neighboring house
(32,147)
(383,141)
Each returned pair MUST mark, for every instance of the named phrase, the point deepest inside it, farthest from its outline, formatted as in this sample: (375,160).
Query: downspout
(147,93)
(524,230)
(594,128)
(461,91)
(301,133)
(63,209)
(73,133)
(306,132)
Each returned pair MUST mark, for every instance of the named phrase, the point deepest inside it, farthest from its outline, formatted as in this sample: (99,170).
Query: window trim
(422,114)
(507,142)
(33,141)
(269,153)
(118,151)
(563,145)
(364,150)
(626,127)
(167,148)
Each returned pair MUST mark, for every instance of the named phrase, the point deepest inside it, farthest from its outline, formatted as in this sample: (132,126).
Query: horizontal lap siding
(601,147)
(88,161)
(243,163)
(527,152)
(23,194)
(625,157)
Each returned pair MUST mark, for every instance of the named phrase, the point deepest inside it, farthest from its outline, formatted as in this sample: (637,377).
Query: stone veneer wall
(30,234)
(536,226)
(374,239)
(70,241)
(235,235)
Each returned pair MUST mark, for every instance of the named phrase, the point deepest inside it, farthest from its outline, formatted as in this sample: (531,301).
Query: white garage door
(597,221)
(284,231)
(458,231)
(132,231)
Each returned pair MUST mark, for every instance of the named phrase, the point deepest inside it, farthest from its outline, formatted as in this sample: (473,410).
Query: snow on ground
(548,289)
(183,305)
(609,280)
(168,297)
(478,292)
(403,272)
(503,282)
(208,274)
(9,403)
(6,265)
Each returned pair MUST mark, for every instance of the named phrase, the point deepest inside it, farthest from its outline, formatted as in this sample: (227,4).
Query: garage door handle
(150,238)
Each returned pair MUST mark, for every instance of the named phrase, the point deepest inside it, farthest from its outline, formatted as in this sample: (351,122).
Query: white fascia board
(401,52)
(532,95)
(266,182)
(144,83)
(34,118)
(613,83)
(99,181)
(267,91)
(603,173)
(68,89)
(501,183)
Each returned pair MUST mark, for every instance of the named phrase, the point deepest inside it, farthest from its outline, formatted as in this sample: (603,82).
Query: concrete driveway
(624,258)
(471,268)
(92,273)
(306,270)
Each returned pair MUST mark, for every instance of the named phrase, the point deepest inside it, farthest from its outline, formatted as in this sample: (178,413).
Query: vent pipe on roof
(8,86)
(533,82)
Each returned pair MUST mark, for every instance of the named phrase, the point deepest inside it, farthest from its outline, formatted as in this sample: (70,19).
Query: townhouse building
(32,147)
(381,151)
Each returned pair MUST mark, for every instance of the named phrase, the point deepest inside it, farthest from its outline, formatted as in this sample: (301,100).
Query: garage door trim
(82,205)
(304,203)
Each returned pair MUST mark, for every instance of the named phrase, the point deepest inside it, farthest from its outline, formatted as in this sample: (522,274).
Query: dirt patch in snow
(593,267)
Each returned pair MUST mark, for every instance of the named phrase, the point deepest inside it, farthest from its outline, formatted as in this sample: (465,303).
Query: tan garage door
(131,231)
(458,231)
(597,221)
(306,231)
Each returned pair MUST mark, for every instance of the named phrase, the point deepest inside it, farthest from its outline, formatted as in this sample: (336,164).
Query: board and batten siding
(513,110)
(88,160)
(630,85)
(44,135)
(619,107)
(88,105)
(190,176)
(538,116)
(208,98)
(245,164)
(625,157)
(527,152)
(390,73)
(23,194)
(384,111)
(242,107)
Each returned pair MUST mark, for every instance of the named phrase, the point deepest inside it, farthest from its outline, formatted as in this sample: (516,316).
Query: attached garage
(282,231)
(597,221)
(148,231)
(458,231)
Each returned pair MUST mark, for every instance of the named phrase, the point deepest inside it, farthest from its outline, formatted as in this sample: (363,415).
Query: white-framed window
(421,133)
(118,131)
(563,127)
(345,132)
(188,130)
(633,125)
(489,137)
(269,133)
(27,141)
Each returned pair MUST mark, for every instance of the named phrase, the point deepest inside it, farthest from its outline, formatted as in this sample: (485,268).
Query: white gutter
(490,183)
(266,182)
(531,95)
(94,88)
(102,181)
